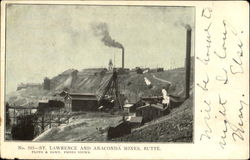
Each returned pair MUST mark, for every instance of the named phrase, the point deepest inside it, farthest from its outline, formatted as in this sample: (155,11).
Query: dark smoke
(102,30)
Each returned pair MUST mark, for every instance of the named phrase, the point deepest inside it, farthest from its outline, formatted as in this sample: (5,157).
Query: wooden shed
(49,105)
(119,130)
(129,107)
(151,111)
(83,101)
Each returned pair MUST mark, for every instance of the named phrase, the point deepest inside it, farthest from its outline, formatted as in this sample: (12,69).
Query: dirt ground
(177,126)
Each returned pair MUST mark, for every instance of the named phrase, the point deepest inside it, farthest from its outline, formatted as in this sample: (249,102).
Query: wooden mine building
(83,101)
(151,111)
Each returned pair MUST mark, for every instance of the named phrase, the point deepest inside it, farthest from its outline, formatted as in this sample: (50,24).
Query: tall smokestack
(187,62)
(122,57)
(102,30)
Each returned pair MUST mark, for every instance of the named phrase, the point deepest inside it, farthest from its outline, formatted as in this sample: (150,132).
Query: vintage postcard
(124,80)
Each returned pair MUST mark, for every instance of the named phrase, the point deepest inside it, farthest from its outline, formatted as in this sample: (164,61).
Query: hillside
(92,126)
(132,85)
(177,126)
(82,127)
(28,96)
(94,80)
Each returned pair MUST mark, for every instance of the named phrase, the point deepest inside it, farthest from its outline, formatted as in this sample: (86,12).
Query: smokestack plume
(188,55)
(102,30)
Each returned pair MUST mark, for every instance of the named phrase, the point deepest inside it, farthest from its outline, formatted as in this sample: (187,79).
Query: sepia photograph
(124,79)
(99,73)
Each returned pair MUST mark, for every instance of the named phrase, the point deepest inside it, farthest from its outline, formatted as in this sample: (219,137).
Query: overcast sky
(45,40)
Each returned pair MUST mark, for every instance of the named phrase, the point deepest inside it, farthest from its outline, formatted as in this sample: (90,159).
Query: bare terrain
(85,126)
(92,126)
(177,126)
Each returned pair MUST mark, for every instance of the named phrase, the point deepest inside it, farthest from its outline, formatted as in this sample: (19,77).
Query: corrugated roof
(103,84)
(83,96)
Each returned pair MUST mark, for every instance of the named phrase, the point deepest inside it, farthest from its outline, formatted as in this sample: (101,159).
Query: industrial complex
(110,90)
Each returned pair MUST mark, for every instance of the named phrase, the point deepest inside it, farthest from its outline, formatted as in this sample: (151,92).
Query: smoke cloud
(102,30)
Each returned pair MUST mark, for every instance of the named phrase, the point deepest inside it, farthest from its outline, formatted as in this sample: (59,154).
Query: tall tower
(187,62)
(110,64)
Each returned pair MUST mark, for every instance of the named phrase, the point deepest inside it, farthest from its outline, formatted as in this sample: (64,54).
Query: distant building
(138,70)
(153,70)
(160,69)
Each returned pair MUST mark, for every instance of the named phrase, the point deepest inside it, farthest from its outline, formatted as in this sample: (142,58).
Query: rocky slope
(94,80)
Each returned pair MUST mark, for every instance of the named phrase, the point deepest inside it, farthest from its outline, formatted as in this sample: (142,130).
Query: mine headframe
(111,91)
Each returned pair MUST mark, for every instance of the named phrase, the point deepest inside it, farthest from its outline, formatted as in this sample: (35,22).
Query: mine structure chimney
(188,59)
(122,57)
